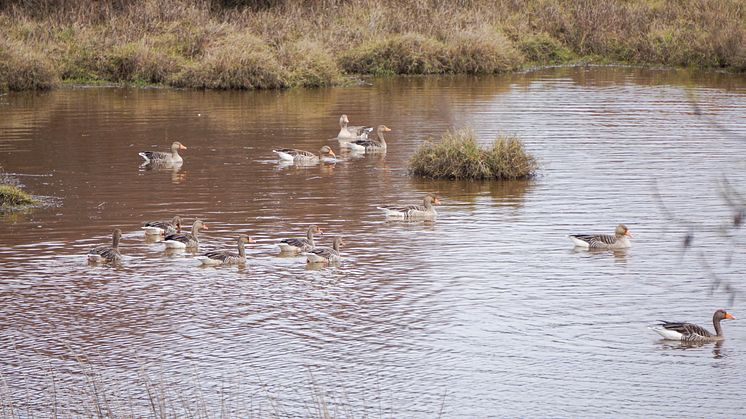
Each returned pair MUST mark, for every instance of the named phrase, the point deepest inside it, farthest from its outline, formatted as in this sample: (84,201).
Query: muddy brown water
(486,312)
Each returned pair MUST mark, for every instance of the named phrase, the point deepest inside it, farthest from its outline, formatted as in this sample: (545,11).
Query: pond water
(487,311)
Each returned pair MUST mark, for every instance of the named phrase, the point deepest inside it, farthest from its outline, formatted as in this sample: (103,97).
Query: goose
(300,245)
(688,332)
(184,240)
(106,253)
(372,144)
(347,131)
(325,254)
(163,228)
(302,156)
(161,157)
(226,257)
(620,239)
(425,211)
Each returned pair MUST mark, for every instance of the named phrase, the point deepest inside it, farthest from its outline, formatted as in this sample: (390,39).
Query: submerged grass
(458,155)
(251,44)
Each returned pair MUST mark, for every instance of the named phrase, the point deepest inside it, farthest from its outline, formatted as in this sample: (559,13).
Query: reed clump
(458,155)
(13,197)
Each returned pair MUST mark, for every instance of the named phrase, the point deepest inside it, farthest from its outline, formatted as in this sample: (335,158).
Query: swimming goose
(425,211)
(325,254)
(163,227)
(620,239)
(302,156)
(106,253)
(347,131)
(160,157)
(373,144)
(300,245)
(226,257)
(184,240)
(687,332)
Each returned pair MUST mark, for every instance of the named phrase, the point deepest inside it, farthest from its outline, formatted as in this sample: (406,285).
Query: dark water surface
(486,312)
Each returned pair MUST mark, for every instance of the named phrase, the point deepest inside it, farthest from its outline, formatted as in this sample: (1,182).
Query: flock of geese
(358,140)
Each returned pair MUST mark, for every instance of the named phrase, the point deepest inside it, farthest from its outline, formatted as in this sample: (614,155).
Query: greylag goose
(300,245)
(163,227)
(687,332)
(302,156)
(184,240)
(226,257)
(161,157)
(370,145)
(325,254)
(348,131)
(425,211)
(106,253)
(619,240)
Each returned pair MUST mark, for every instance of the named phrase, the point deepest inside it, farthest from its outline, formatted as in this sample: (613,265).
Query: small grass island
(458,155)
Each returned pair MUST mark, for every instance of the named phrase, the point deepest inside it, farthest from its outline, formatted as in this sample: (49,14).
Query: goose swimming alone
(426,211)
(688,332)
(160,157)
(619,240)
(106,253)
(300,245)
(185,240)
(226,257)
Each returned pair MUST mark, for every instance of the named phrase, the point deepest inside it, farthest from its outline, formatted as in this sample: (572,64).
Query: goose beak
(204,227)
(628,234)
(321,231)
(437,201)
(729,316)
(251,240)
(182,147)
(332,153)
(387,129)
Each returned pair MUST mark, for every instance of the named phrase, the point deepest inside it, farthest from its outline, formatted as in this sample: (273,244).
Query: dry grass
(277,43)
(13,197)
(458,155)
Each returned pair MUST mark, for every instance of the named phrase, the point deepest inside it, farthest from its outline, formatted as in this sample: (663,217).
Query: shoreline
(278,45)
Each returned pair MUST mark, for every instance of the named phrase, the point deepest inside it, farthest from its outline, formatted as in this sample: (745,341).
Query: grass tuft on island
(458,155)
(12,197)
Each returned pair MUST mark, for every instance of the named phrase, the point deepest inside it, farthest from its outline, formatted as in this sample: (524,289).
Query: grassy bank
(458,155)
(12,197)
(247,44)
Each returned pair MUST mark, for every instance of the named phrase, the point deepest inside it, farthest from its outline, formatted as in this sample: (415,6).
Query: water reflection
(414,307)
(683,346)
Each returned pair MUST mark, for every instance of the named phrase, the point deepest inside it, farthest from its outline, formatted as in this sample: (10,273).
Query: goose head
(177,146)
(244,239)
(198,225)
(622,230)
(177,223)
(327,151)
(314,229)
(432,199)
(338,242)
(343,121)
(722,314)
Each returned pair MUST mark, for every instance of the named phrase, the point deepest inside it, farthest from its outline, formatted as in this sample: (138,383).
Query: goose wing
(155,155)
(179,237)
(296,242)
(360,131)
(688,330)
(295,152)
(596,240)
(324,252)
(108,253)
(221,255)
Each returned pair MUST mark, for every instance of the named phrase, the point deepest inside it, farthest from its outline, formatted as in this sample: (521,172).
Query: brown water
(486,312)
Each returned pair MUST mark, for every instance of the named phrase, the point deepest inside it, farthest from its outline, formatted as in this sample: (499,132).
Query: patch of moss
(12,197)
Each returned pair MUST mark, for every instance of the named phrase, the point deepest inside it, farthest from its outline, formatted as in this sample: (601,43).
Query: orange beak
(251,240)
(437,201)
(387,129)
(182,147)
(729,316)
(628,234)
(204,226)
(332,153)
